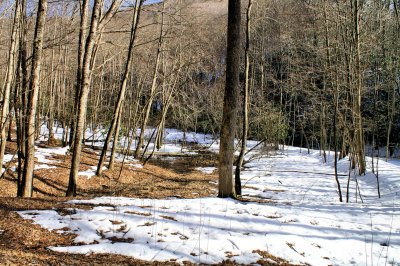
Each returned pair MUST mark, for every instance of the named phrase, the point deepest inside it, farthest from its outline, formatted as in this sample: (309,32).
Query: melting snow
(303,222)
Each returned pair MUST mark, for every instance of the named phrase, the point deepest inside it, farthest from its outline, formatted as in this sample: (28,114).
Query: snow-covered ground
(172,140)
(299,219)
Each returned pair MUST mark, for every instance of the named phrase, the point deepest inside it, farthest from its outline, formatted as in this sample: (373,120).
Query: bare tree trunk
(96,27)
(159,129)
(53,78)
(63,95)
(84,6)
(336,144)
(225,185)
(238,183)
(359,133)
(391,110)
(19,125)
(9,80)
(336,100)
(83,96)
(136,106)
(377,175)
(115,142)
(121,96)
(153,87)
(157,138)
(19,97)
(27,178)
(323,137)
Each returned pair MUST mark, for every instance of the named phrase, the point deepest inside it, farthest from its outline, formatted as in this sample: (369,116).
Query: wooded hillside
(320,75)
(136,99)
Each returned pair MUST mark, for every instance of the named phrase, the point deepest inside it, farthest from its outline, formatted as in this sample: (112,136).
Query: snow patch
(209,230)
(206,170)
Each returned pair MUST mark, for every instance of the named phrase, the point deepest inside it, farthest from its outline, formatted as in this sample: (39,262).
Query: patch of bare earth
(150,181)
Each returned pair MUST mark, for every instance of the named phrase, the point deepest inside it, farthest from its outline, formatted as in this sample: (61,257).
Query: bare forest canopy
(322,74)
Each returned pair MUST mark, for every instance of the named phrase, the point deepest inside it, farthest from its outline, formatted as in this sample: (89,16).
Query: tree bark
(152,89)
(245,126)
(84,92)
(115,142)
(84,5)
(121,96)
(96,27)
(225,185)
(8,83)
(19,97)
(359,132)
(27,178)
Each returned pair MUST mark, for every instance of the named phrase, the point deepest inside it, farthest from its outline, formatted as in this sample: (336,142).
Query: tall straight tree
(153,87)
(225,185)
(245,126)
(121,96)
(359,132)
(84,8)
(83,97)
(20,95)
(8,82)
(27,178)
(97,25)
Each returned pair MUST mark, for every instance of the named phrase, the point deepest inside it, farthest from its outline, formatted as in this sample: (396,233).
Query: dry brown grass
(179,180)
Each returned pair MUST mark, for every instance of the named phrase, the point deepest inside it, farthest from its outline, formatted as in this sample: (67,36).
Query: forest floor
(25,243)
(166,212)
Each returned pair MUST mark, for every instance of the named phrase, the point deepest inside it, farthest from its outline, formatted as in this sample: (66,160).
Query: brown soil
(24,243)
(177,180)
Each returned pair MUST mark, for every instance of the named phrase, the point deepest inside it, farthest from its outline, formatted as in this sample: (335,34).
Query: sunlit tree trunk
(152,89)
(121,96)
(96,27)
(84,7)
(245,126)
(27,178)
(8,83)
(225,185)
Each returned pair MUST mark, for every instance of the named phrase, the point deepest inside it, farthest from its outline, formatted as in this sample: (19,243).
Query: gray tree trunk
(115,142)
(359,132)
(83,97)
(84,6)
(121,96)
(245,126)
(96,28)
(20,95)
(225,185)
(27,178)
(152,89)
(8,83)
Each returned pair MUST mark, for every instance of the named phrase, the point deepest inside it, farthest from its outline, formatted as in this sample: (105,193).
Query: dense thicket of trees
(321,74)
